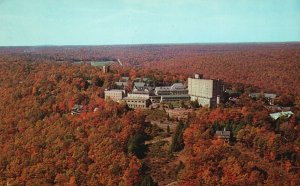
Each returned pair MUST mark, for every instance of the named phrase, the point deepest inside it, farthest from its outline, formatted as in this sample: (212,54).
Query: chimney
(218,100)
(198,76)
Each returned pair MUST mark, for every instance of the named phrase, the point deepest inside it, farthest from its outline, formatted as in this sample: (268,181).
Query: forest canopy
(43,143)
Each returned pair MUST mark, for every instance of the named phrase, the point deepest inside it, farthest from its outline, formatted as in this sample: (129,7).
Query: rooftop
(221,132)
(125,78)
(121,83)
(101,63)
(175,86)
(115,90)
(277,115)
(135,98)
(139,84)
(266,95)
(175,96)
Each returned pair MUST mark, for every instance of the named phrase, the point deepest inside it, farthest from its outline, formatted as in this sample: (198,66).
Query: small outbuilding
(223,134)
(278,115)
(76,109)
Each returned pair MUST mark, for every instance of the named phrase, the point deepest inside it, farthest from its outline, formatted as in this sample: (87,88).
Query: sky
(109,22)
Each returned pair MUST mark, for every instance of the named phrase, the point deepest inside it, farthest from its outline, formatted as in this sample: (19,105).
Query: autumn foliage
(43,144)
(258,152)
(273,66)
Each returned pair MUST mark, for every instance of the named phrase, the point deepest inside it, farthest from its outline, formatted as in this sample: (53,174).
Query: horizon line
(137,44)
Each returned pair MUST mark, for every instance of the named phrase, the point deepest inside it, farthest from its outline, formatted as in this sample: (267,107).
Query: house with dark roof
(223,135)
(76,109)
(270,97)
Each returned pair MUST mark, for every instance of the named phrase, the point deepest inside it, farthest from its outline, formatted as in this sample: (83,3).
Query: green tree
(177,138)
(195,104)
(182,104)
(136,145)
(98,82)
(148,181)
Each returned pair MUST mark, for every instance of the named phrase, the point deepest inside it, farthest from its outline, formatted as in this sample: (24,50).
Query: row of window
(171,92)
(175,98)
(131,101)
(136,106)
(114,94)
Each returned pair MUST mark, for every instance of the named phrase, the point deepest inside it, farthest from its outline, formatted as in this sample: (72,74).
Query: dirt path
(165,124)
(168,139)
(161,162)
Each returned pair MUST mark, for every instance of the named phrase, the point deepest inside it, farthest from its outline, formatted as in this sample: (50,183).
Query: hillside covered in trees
(42,143)
(273,66)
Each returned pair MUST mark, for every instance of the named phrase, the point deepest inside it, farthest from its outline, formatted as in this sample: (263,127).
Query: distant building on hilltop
(105,65)
(206,91)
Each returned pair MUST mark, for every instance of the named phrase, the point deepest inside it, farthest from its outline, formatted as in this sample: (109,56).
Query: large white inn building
(207,92)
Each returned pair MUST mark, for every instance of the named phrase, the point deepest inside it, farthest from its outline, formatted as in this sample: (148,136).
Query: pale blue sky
(100,22)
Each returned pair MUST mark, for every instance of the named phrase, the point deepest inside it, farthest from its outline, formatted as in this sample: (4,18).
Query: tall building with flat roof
(206,91)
